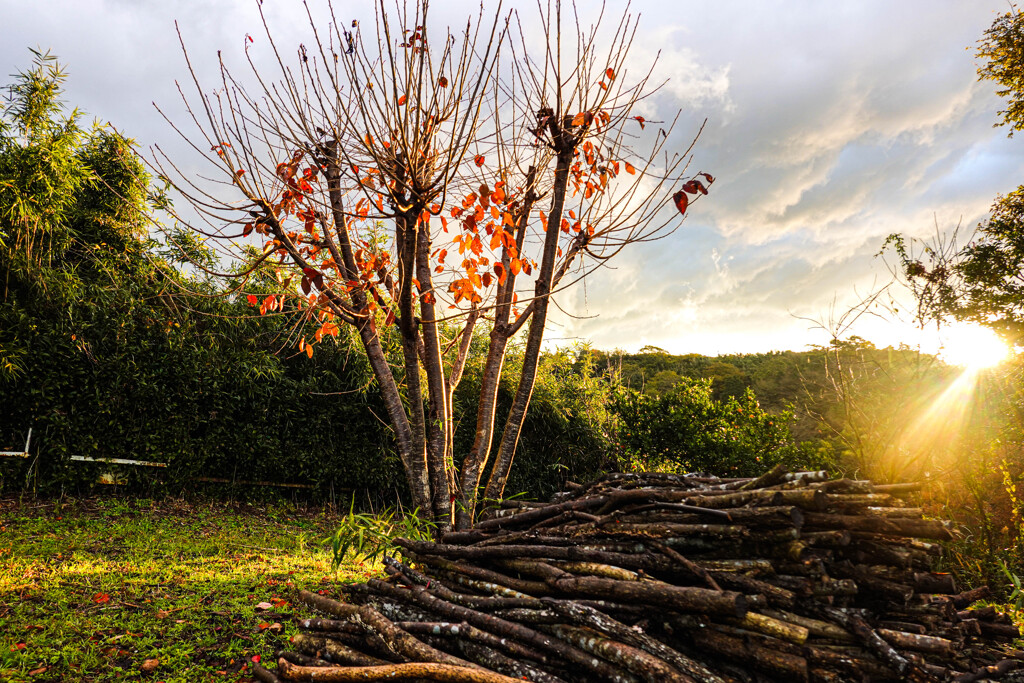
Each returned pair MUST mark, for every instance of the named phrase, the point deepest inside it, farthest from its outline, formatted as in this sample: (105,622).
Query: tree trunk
(531,355)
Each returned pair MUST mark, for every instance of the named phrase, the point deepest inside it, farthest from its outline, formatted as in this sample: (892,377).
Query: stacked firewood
(661,577)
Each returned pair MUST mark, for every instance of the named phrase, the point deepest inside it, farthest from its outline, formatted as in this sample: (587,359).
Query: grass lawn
(111,590)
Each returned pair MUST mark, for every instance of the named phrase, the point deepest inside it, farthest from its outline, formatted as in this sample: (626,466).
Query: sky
(829,127)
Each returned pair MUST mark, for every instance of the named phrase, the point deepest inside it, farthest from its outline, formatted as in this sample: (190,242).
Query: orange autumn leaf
(610,73)
(582,119)
(101,598)
(401,100)
(629,168)
(479,159)
(443,82)
(681,201)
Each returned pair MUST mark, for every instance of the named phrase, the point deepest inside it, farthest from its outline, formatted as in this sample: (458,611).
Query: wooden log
(597,569)
(843,501)
(319,646)
(917,642)
(775,475)
(263,675)
(770,626)
(642,664)
(301,659)
(690,566)
(446,673)
(967,597)
(679,598)
(502,582)
(917,528)
(815,627)
(501,627)
(382,631)
(500,663)
(465,630)
(581,614)
(330,625)
(777,596)
(768,660)
(1009,631)
(993,671)
(534,515)
(895,511)
(875,643)
(934,582)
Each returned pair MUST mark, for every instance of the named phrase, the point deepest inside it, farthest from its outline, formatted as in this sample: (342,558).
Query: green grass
(90,590)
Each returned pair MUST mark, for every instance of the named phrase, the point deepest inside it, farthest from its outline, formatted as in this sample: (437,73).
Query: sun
(972,347)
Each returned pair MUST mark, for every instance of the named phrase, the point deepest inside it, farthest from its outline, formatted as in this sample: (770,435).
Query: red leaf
(443,82)
(641,120)
(252,299)
(247,229)
(681,201)
(248,37)
(255,658)
(17,646)
(401,100)
(708,176)
(610,73)
(101,598)
(240,172)
(479,159)
(695,186)
(629,168)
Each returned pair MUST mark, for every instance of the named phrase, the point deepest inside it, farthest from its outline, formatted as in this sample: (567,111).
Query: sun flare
(972,347)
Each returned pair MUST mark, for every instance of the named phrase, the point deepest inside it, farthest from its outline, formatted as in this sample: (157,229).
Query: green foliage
(1002,52)
(1016,597)
(372,535)
(686,429)
(107,349)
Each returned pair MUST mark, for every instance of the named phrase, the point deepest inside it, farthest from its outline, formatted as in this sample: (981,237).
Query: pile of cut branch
(659,577)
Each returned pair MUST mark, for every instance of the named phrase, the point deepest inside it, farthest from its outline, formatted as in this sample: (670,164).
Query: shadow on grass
(89,591)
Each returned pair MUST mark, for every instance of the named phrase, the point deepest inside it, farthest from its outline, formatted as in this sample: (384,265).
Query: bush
(685,429)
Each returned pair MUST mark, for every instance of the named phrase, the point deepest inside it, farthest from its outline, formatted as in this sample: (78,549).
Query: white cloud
(830,126)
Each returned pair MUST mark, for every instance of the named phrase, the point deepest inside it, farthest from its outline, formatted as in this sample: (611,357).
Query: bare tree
(436,183)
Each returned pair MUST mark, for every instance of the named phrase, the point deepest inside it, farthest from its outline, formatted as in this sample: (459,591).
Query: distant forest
(814,385)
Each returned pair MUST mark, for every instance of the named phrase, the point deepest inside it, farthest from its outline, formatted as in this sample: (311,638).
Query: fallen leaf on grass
(150,665)
(101,598)
(36,672)
(264,606)
(17,646)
